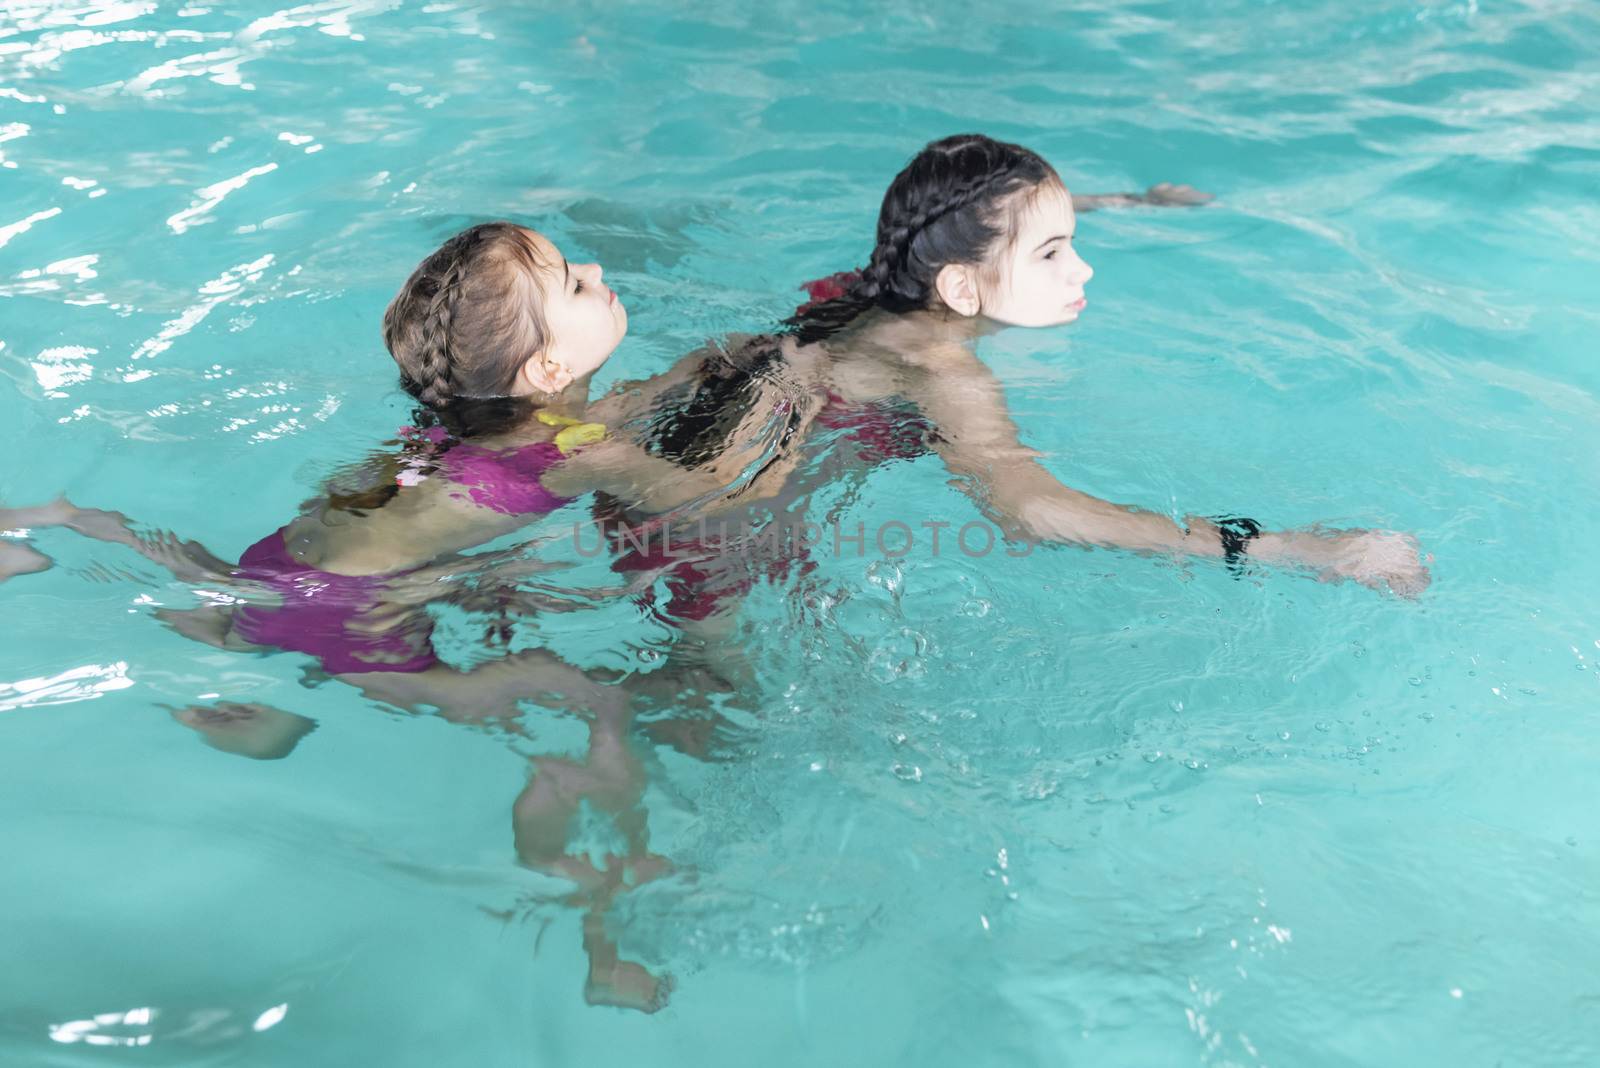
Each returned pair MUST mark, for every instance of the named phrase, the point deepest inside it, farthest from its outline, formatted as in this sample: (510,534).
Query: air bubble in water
(900,656)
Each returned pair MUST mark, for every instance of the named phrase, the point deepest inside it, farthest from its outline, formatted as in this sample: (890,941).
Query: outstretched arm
(1161,195)
(978,441)
(189,561)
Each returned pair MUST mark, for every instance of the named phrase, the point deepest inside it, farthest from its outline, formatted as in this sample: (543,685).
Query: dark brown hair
(956,202)
(959,200)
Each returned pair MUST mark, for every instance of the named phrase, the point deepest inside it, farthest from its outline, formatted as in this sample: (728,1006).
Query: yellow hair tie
(575,433)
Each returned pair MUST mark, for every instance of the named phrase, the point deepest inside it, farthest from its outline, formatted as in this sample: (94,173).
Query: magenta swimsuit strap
(506,481)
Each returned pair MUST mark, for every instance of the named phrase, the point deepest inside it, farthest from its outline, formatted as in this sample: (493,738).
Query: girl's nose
(1085,272)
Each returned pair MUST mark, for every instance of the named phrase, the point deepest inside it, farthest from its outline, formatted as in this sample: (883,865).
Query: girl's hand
(1168,195)
(1374,558)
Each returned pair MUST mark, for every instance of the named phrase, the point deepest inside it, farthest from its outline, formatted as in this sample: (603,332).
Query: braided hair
(947,206)
(459,329)
(465,322)
(951,204)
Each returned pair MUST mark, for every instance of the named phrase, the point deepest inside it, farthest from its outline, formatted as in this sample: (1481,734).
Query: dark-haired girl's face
(1038,279)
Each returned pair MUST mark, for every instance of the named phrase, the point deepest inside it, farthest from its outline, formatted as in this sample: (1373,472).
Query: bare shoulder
(633,397)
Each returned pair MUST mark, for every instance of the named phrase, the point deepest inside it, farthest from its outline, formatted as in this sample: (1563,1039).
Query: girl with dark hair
(975,235)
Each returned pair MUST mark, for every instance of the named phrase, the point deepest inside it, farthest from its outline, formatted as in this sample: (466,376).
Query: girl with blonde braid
(497,335)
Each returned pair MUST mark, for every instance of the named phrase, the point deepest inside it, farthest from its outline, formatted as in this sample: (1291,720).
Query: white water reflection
(271,1018)
(93,1031)
(23,225)
(198,212)
(214,292)
(136,1027)
(79,684)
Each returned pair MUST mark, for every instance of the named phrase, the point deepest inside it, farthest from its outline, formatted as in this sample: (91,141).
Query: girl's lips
(1079,304)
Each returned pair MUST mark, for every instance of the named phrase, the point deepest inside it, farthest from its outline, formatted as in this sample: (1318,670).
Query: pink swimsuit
(507,481)
(878,433)
(696,586)
(318,607)
(700,575)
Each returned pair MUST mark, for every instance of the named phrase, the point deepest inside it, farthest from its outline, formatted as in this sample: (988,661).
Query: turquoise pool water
(1073,809)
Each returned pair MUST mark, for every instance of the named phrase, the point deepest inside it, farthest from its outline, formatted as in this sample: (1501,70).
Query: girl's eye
(1050,255)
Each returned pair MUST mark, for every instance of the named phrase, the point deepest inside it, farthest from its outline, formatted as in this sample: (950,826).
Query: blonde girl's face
(1039,279)
(585,317)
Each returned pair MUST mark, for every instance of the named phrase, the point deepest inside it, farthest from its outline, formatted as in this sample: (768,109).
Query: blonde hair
(469,316)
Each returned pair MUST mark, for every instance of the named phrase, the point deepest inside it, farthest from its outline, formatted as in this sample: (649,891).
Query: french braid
(941,209)
(449,328)
(944,207)
(434,376)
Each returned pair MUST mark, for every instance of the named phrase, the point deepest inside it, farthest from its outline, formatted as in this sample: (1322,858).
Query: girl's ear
(957,286)
(541,374)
